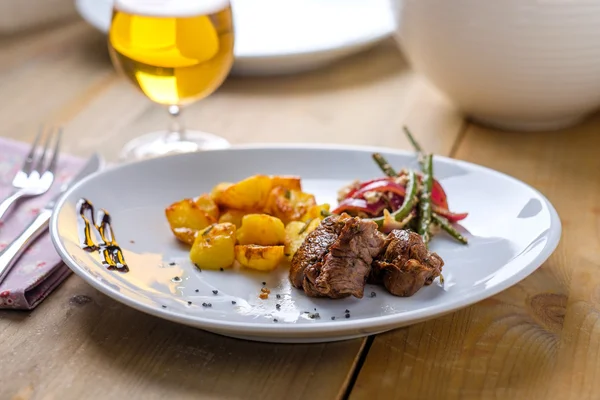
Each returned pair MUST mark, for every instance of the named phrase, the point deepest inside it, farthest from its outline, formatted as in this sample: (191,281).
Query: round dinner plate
(288,36)
(512,229)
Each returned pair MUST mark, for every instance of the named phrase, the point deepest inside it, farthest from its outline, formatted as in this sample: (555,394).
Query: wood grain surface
(79,344)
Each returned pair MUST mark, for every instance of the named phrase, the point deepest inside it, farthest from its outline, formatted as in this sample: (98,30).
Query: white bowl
(514,64)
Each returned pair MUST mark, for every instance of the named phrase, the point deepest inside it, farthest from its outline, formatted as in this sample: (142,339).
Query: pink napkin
(40,269)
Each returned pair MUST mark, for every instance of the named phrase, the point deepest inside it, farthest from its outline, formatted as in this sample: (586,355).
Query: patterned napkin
(40,269)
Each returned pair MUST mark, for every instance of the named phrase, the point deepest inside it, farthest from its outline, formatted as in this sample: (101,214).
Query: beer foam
(171,8)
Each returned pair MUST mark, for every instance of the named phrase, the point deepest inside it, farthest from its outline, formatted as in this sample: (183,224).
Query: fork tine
(26,168)
(39,165)
(53,161)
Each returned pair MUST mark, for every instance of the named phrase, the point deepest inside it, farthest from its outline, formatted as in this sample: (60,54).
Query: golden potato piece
(233,216)
(214,247)
(249,194)
(261,229)
(289,205)
(206,203)
(289,182)
(295,233)
(186,218)
(261,258)
(219,189)
(315,212)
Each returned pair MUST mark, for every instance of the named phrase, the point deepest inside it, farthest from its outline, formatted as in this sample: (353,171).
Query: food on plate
(379,232)
(261,258)
(318,211)
(289,205)
(287,182)
(296,232)
(207,204)
(343,252)
(261,229)
(248,221)
(402,200)
(248,194)
(214,247)
(233,216)
(188,216)
(404,264)
(335,259)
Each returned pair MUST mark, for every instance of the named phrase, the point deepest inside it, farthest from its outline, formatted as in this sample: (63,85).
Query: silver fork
(36,175)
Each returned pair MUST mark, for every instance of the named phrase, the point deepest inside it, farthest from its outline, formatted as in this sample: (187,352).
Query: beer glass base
(162,143)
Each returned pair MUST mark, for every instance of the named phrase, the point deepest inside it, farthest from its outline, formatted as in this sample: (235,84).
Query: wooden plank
(51,78)
(538,339)
(79,343)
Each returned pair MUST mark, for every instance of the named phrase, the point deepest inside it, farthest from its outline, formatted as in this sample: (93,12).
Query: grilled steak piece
(335,259)
(405,265)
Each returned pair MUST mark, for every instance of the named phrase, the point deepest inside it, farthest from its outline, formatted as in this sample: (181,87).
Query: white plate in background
(288,36)
(512,229)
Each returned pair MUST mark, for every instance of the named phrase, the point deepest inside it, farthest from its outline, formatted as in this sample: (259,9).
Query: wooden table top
(539,339)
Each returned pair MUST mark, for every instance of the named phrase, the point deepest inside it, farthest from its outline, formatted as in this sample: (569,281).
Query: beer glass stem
(176,130)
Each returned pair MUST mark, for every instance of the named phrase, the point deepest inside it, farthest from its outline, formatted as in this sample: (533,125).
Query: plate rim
(285,330)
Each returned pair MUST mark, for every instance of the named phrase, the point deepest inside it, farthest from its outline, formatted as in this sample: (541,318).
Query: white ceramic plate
(511,227)
(288,36)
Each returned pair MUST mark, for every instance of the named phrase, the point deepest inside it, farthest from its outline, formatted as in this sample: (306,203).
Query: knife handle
(15,249)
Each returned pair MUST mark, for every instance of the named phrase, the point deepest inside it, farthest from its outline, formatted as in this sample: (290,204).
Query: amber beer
(175,51)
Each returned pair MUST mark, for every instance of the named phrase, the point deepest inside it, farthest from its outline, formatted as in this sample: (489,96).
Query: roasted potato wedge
(261,258)
(186,218)
(206,203)
(295,233)
(233,216)
(249,194)
(261,229)
(315,212)
(289,205)
(218,190)
(214,247)
(289,182)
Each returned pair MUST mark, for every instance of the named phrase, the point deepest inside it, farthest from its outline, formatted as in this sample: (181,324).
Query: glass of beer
(175,52)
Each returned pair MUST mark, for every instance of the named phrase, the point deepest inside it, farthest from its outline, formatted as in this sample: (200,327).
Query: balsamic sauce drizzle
(111,255)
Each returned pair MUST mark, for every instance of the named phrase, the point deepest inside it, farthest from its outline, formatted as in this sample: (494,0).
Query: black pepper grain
(332,318)
(347,315)
(278,296)
(215,291)
(189,303)
(233,302)
(347,311)
(264,283)
(171,263)
(275,320)
(209,304)
(373,294)
(197,290)
(278,306)
(221,269)
(204,305)
(164,306)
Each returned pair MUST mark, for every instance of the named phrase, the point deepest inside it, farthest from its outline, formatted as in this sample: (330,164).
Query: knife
(12,252)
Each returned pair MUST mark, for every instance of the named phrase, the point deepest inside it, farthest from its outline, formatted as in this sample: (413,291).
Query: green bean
(408,203)
(384,165)
(412,140)
(447,226)
(425,198)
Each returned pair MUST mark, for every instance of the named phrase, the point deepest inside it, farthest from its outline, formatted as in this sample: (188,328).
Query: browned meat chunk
(335,259)
(405,265)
